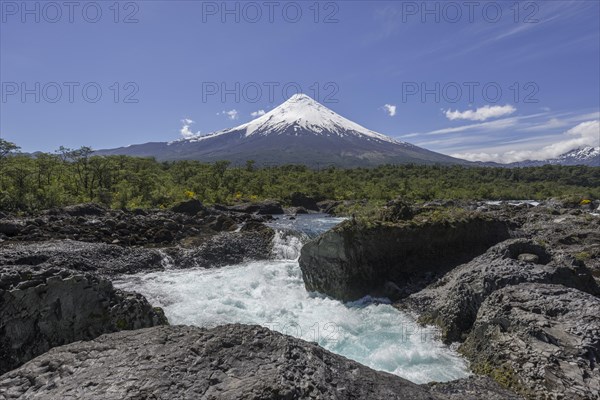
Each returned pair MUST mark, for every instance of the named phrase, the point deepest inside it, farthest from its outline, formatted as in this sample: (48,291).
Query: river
(271,293)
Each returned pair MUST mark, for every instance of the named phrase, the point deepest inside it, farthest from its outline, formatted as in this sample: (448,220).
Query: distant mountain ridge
(299,131)
(588,155)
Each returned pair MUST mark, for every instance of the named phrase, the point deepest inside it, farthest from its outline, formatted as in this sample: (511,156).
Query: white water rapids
(272,294)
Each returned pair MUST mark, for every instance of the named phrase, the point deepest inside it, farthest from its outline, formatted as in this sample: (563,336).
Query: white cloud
(482,113)
(390,109)
(257,113)
(584,134)
(552,123)
(185,131)
(409,135)
(499,124)
(231,114)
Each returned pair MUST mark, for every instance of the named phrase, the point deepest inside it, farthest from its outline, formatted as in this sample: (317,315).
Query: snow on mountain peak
(301,113)
(583,153)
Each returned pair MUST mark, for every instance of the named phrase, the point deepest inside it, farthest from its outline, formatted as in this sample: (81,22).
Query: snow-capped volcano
(300,113)
(299,131)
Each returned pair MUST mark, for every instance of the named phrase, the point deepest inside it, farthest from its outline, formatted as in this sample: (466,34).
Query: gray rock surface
(473,388)
(354,259)
(100,258)
(453,301)
(93,223)
(178,362)
(543,340)
(252,242)
(41,308)
(267,207)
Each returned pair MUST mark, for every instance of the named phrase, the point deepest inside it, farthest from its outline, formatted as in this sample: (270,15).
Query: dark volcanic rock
(543,340)
(100,258)
(43,308)
(253,242)
(190,207)
(453,301)
(354,260)
(178,362)
(11,228)
(473,388)
(328,206)
(135,228)
(301,200)
(268,207)
(80,210)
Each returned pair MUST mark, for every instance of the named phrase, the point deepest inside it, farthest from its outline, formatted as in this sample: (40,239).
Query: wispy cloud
(559,121)
(257,113)
(185,131)
(498,124)
(481,114)
(390,109)
(231,114)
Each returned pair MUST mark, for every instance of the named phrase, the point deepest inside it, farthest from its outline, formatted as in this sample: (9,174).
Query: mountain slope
(299,131)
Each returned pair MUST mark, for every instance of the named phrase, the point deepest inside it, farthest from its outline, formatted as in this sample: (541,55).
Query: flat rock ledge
(227,362)
(180,362)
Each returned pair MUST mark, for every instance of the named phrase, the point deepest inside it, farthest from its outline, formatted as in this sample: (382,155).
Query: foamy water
(272,294)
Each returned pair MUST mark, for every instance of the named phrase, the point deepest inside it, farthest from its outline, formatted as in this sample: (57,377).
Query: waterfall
(166,261)
(287,244)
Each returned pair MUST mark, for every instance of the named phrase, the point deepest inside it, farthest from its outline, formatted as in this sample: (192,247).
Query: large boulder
(267,207)
(453,302)
(11,228)
(542,340)
(254,241)
(328,206)
(179,362)
(43,308)
(190,207)
(298,199)
(357,259)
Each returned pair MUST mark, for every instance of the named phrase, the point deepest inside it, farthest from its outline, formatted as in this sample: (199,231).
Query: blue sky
(163,58)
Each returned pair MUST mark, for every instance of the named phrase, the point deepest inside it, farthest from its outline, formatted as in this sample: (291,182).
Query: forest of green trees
(68,176)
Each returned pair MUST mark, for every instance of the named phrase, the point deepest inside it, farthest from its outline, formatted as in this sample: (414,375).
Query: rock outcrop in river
(394,259)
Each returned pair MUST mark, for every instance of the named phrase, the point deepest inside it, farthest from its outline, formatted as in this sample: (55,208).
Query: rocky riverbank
(525,310)
(227,362)
(515,285)
(56,266)
(41,308)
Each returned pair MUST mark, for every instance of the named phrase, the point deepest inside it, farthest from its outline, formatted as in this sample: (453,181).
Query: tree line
(70,176)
